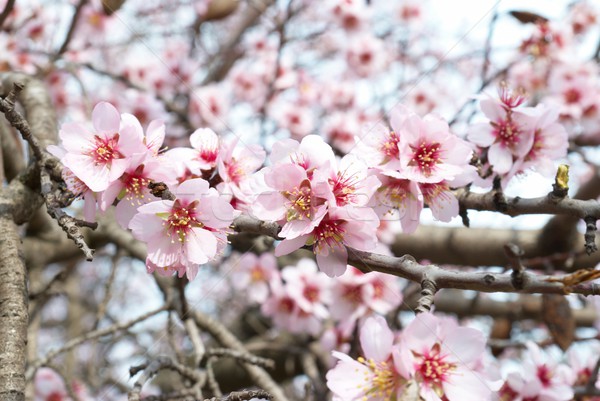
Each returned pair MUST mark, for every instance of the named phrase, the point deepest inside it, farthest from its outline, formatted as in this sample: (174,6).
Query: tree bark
(13,313)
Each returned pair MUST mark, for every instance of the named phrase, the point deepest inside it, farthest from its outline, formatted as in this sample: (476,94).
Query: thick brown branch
(408,268)
(520,206)
(13,313)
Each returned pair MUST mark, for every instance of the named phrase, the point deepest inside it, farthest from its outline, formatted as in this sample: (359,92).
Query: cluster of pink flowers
(556,74)
(300,299)
(417,162)
(518,138)
(318,201)
(437,359)
(433,358)
(115,161)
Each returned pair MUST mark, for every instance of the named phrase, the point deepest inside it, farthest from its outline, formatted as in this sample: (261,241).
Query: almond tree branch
(408,268)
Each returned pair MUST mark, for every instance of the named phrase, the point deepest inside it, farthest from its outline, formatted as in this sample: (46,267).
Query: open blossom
(440,199)
(442,358)
(366,55)
(541,379)
(550,140)
(287,313)
(398,198)
(346,182)
(342,227)
(209,105)
(429,152)
(202,155)
(357,295)
(309,287)
(236,164)
(186,232)
(509,134)
(99,157)
(380,148)
(373,376)
(310,154)
(131,189)
(291,201)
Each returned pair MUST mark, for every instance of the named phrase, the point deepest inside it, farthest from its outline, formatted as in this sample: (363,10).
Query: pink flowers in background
(303,300)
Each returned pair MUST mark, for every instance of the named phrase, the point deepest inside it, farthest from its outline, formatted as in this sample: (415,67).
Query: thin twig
(7,10)
(72,27)
(90,336)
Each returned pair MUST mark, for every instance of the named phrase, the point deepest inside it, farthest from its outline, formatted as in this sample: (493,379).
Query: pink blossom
(209,105)
(583,16)
(187,232)
(541,378)
(101,156)
(550,140)
(248,86)
(203,155)
(296,118)
(49,386)
(373,376)
(342,227)
(398,199)
(236,164)
(379,147)
(440,199)
(310,154)
(340,130)
(337,94)
(351,15)
(335,339)
(508,135)
(442,359)
(286,313)
(253,274)
(366,55)
(291,201)
(309,287)
(77,187)
(429,153)
(357,295)
(346,182)
(131,189)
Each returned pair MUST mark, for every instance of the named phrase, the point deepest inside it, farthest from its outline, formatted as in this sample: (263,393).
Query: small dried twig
(150,369)
(211,380)
(241,356)
(514,253)
(243,396)
(428,290)
(6,12)
(90,336)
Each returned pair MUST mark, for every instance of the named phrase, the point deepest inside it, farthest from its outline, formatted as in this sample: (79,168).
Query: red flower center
(426,156)
(105,149)
(390,146)
(181,220)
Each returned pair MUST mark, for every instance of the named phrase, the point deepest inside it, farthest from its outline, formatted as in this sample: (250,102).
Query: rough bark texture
(13,314)
(18,203)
